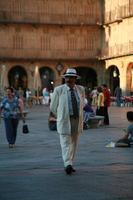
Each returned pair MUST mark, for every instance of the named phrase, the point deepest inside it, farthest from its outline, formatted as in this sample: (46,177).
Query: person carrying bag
(25,128)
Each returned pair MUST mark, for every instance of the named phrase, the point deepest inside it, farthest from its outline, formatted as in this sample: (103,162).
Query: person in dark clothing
(118,95)
(106,93)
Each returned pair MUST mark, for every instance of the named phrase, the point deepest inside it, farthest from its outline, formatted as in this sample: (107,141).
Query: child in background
(127,139)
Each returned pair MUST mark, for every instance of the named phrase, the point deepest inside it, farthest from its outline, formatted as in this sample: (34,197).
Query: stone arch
(17,77)
(129,79)
(112,79)
(47,77)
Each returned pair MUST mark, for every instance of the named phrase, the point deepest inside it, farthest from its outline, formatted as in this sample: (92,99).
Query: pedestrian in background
(118,95)
(28,98)
(11,106)
(94,94)
(67,105)
(106,93)
(87,113)
(46,96)
(100,102)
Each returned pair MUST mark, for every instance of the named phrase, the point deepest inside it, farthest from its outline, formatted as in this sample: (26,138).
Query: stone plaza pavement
(34,169)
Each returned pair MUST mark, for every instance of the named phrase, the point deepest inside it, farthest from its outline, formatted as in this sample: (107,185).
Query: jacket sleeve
(54,101)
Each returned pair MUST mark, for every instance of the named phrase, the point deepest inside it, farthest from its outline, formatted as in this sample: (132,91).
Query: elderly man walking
(67,105)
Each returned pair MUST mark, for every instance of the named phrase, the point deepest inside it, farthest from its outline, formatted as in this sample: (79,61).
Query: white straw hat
(71,72)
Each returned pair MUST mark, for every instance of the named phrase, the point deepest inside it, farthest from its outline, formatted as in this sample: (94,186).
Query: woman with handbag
(11,106)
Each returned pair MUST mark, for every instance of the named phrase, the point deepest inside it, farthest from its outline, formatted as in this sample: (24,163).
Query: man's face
(70,80)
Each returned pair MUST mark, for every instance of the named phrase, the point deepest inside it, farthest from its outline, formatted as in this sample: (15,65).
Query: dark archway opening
(88,77)
(17,77)
(114,79)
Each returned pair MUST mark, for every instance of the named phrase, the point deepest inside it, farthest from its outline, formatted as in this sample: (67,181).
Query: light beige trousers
(69,143)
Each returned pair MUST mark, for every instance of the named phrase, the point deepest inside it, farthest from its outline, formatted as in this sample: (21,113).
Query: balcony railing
(117,50)
(46,18)
(10,53)
(122,12)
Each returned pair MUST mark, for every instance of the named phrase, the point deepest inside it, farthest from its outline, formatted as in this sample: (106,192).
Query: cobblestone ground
(34,169)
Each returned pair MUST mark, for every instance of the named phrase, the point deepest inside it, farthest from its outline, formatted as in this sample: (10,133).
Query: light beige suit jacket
(59,106)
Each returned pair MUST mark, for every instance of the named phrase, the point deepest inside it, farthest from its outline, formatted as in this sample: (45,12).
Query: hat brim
(70,75)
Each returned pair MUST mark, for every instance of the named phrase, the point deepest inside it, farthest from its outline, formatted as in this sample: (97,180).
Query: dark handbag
(25,128)
(52,125)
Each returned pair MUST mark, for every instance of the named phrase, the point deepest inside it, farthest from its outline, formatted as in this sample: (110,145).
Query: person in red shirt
(106,93)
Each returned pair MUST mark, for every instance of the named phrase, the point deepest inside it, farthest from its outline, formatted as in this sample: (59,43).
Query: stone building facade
(40,39)
(49,36)
(117,50)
